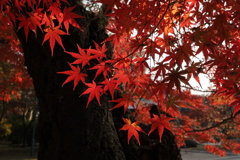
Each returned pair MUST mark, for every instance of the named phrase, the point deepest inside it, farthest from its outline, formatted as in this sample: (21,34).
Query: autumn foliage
(158,47)
(14,75)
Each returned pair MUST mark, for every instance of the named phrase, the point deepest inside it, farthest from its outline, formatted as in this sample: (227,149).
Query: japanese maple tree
(14,77)
(213,120)
(118,55)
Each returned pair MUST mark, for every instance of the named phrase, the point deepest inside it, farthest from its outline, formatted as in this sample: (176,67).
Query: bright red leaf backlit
(132,129)
(160,123)
(153,50)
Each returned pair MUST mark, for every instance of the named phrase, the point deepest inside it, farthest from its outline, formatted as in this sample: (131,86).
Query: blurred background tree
(17,96)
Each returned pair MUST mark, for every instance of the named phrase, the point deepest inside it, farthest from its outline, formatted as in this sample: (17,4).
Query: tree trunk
(68,130)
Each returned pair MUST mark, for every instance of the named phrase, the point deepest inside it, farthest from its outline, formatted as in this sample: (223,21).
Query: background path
(18,153)
(197,154)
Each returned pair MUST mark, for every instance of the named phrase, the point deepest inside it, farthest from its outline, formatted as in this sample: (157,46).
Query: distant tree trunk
(68,130)
(2,110)
(25,129)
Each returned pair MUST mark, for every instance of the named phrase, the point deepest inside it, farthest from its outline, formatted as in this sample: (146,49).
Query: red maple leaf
(74,74)
(160,69)
(174,101)
(102,68)
(25,24)
(187,20)
(194,70)
(160,123)
(175,77)
(132,129)
(126,102)
(56,12)
(53,35)
(68,18)
(94,90)
(110,85)
(141,63)
(19,5)
(122,77)
(47,20)
(82,58)
(30,23)
(99,52)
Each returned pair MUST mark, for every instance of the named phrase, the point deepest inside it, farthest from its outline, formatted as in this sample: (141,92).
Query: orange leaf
(160,123)
(132,129)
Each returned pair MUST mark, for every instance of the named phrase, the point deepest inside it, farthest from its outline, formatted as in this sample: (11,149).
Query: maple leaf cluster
(209,120)
(157,123)
(46,20)
(158,47)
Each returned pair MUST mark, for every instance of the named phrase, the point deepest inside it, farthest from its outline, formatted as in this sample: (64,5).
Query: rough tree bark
(68,130)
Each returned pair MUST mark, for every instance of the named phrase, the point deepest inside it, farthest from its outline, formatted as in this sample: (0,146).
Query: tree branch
(215,125)
(194,89)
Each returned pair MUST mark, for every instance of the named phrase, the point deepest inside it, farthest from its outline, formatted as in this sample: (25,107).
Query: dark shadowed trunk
(68,130)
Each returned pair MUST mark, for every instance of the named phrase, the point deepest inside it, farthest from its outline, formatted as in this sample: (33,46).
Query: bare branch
(194,89)
(215,125)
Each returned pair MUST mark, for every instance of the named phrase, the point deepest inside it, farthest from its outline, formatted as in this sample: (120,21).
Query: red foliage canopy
(158,46)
